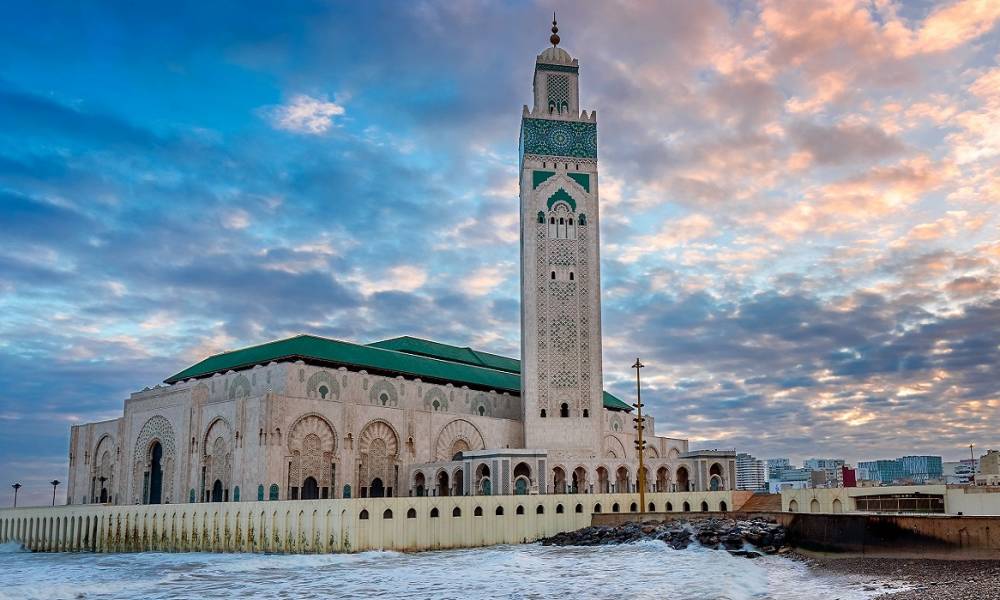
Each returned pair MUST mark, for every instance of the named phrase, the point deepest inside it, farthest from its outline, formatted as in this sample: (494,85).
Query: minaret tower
(561,380)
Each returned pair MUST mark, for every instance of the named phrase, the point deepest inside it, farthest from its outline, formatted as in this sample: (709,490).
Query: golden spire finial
(555,31)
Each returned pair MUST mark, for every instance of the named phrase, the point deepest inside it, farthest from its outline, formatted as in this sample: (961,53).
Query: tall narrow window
(553,274)
(571,275)
(564,410)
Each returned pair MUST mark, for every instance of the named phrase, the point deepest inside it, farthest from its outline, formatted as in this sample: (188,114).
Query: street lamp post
(55,483)
(640,443)
(16,487)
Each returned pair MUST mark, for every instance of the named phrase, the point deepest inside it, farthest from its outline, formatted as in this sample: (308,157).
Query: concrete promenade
(320,526)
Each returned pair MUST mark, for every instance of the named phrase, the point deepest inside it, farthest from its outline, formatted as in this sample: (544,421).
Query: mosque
(310,417)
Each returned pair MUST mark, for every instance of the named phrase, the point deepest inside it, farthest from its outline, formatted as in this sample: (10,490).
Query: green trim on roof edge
(405,355)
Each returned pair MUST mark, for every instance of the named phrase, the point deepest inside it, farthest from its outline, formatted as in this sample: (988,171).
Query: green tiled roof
(408,356)
(412,345)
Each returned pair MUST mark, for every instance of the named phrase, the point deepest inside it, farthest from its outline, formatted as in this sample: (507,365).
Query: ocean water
(642,570)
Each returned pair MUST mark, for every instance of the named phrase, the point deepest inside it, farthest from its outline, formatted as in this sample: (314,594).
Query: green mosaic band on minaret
(550,137)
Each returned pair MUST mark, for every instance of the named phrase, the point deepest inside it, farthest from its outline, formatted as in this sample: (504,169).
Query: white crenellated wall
(309,526)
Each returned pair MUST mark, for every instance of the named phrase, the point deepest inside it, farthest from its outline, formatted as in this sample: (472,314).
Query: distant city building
(958,473)
(791,479)
(832,467)
(751,474)
(989,468)
(883,471)
(775,466)
(903,470)
(921,468)
(848,477)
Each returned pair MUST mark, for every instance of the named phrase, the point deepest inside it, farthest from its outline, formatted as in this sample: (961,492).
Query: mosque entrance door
(378,488)
(310,489)
(521,486)
(156,474)
(217,491)
(104,495)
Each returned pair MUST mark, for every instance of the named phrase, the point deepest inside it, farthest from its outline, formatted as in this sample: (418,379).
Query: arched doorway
(814,506)
(104,495)
(420,484)
(715,480)
(559,480)
(838,507)
(156,474)
(682,479)
(483,484)
(377,489)
(602,480)
(579,480)
(621,480)
(310,489)
(442,483)
(522,478)
(662,479)
(458,477)
(793,506)
(217,491)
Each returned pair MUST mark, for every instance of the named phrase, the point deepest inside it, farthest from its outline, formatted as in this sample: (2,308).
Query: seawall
(889,536)
(308,526)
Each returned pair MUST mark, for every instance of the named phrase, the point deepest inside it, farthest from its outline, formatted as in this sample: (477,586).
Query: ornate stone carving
(312,444)
(218,458)
(435,399)
(378,446)
(239,387)
(458,436)
(383,393)
(323,385)
(156,429)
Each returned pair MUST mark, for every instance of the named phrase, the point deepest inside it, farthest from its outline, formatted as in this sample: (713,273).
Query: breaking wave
(645,569)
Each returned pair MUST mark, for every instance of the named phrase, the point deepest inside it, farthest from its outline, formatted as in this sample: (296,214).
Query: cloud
(844,143)
(305,114)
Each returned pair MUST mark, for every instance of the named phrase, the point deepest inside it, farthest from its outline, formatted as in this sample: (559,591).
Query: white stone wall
(252,417)
(327,525)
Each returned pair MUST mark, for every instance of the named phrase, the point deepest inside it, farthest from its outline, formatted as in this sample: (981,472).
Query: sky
(798,201)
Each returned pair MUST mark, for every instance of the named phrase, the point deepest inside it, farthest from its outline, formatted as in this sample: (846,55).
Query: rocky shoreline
(925,578)
(750,538)
(896,579)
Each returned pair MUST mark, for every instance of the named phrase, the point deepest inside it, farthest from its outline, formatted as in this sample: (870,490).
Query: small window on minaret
(571,275)
(552,220)
(561,220)
(571,220)
(553,274)
(543,413)
(564,410)
(586,413)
